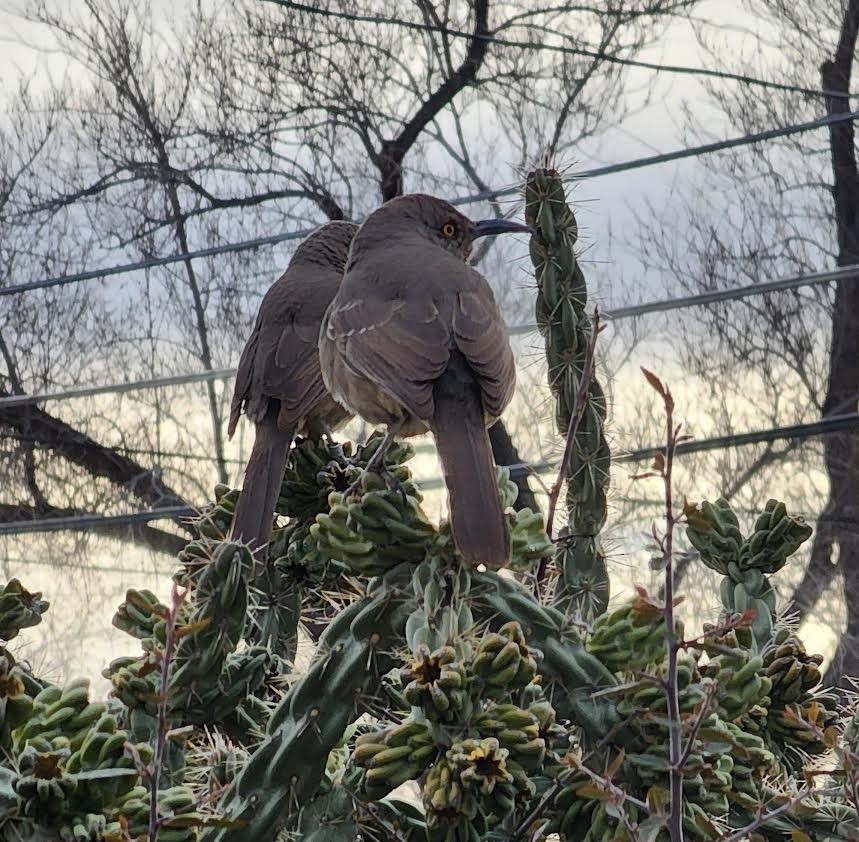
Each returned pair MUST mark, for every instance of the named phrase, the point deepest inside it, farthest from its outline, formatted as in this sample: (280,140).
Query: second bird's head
(433,219)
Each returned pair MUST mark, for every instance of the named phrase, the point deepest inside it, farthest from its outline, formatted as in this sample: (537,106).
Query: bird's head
(435,220)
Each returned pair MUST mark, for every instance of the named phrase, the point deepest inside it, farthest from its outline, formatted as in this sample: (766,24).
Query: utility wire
(539,46)
(55,524)
(124,268)
(630,311)
(835,423)
(17,563)
(609,169)
(118,388)
(679,154)
(159,454)
(702,299)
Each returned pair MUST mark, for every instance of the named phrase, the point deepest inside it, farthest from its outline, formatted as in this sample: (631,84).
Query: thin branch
(575,419)
(763,818)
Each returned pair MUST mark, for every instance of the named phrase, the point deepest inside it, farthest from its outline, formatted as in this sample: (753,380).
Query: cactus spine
(583,583)
(286,769)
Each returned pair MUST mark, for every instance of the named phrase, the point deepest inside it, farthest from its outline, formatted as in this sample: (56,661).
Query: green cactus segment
(572,675)
(179,822)
(315,468)
(275,611)
(583,584)
(19,609)
(800,715)
(793,673)
(746,563)
(504,662)
(738,670)
(73,768)
(474,787)
(436,683)
(209,680)
(393,756)
(443,618)
(16,705)
(214,521)
(140,615)
(632,637)
(298,559)
(375,532)
(479,732)
(529,541)
(761,715)
(64,713)
(286,769)
(209,677)
(212,526)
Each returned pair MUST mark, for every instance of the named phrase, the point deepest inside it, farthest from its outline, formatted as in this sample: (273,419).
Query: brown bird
(414,339)
(279,384)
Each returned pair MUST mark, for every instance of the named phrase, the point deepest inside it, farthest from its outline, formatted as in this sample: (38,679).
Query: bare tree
(784,208)
(225,124)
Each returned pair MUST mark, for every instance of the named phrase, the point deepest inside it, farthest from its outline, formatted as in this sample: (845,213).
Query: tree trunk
(839,526)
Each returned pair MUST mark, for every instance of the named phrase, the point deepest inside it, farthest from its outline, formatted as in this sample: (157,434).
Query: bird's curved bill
(486,227)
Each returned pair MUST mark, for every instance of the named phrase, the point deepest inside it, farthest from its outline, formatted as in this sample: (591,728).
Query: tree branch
(390,158)
(83,451)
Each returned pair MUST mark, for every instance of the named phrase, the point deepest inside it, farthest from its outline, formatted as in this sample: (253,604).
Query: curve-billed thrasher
(414,339)
(278,383)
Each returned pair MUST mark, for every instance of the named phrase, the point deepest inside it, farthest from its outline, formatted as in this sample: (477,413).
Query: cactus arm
(575,674)
(285,771)
(583,584)
(746,563)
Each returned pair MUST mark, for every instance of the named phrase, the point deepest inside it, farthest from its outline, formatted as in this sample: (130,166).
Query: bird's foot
(393,483)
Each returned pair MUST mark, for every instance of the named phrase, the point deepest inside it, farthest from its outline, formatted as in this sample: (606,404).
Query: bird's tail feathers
(477,519)
(254,515)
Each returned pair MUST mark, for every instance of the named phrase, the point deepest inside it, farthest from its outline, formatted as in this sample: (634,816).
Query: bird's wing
(400,342)
(287,358)
(480,333)
(281,358)
(244,375)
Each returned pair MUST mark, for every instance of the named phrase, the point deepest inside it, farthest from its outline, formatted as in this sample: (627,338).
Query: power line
(679,154)
(539,46)
(17,563)
(835,423)
(596,172)
(149,263)
(131,451)
(842,273)
(89,521)
(630,311)
(118,388)
(161,454)
(832,424)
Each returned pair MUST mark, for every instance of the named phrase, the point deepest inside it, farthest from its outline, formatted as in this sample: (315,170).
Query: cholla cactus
(583,583)
(19,609)
(508,717)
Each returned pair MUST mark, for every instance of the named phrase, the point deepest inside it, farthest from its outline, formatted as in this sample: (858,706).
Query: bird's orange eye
(448,230)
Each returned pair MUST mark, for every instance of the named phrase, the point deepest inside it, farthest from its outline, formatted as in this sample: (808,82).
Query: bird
(414,340)
(278,383)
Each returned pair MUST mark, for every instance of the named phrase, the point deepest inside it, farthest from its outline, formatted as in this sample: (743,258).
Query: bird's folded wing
(480,333)
(287,366)
(242,386)
(401,344)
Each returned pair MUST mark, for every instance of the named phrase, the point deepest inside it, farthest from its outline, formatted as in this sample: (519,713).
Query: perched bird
(279,384)
(414,339)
